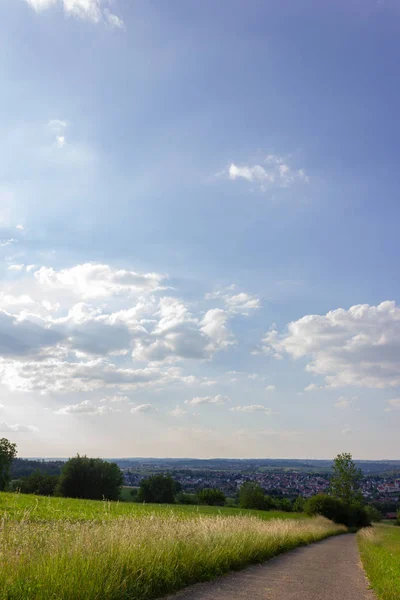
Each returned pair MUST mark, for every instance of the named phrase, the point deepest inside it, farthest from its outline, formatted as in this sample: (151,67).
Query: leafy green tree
(158,489)
(284,504)
(211,496)
(327,506)
(251,495)
(37,483)
(345,480)
(298,504)
(8,452)
(90,478)
(373,513)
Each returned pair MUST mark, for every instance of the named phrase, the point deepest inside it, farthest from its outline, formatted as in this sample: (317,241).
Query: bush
(298,504)
(251,495)
(327,506)
(183,498)
(373,513)
(90,478)
(211,496)
(37,483)
(158,489)
(353,515)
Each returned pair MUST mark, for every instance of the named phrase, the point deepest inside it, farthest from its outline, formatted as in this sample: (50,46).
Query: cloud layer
(96,11)
(355,347)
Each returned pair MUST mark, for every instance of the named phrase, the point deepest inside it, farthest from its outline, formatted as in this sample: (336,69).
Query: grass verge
(380,554)
(138,558)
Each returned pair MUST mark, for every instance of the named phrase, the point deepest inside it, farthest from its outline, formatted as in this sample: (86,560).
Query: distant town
(286,478)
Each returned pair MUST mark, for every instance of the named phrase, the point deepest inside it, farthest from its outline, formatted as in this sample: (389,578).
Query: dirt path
(328,570)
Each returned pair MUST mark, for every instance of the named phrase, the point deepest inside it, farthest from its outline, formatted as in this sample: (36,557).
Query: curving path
(327,570)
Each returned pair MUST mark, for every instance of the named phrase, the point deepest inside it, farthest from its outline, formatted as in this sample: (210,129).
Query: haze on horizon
(199,228)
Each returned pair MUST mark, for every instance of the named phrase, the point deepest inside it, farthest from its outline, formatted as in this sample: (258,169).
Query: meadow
(55,548)
(380,553)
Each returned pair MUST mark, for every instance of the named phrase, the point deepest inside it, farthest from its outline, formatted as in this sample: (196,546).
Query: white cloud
(60,139)
(218,399)
(91,280)
(355,347)
(393,404)
(178,411)
(241,303)
(312,387)
(273,172)
(343,402)
(15,267)
(85,408)
(270,388)
(5,428)
(347,430)
(4,243)
(114,399)
(143,408)
(95,11)
(20,227)
(252,408)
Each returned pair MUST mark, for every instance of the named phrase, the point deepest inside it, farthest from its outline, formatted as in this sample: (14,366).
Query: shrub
(251,495)
(298,504)
(352,515)
(158,489)
(183,498)
(90,478)
(211,496)
(373,513)
(37,483)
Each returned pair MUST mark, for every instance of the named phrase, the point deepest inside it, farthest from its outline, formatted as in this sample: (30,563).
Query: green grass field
(380,553)
(62,549)
(40,508)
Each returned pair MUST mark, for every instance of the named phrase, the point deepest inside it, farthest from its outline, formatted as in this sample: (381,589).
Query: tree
(327,506)
(37,483)
(212,497)
(373,513)
(298,504)
(90,478)
(158,489)
(251,495)
(8,452)
(345,480)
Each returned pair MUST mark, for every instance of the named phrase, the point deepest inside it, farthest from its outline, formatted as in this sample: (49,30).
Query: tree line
(97,479)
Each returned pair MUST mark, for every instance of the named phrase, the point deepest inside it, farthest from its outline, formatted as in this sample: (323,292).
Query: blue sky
(199,228)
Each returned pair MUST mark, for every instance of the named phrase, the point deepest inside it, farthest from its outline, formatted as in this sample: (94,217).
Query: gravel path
(327,570)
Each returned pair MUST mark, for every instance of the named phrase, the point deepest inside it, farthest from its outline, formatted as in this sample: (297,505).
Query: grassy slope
(40,508)
(54,548)
(380,553)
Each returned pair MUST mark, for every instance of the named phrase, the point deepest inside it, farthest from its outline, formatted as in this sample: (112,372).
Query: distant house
(391,515)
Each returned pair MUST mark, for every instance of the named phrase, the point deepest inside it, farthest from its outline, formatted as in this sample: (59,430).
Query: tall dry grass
(140,558)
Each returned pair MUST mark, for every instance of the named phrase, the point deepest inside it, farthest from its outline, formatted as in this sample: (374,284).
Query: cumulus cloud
(114,399)
(342,403)
(274,171)
(393,404)
(95,11)
(4,243)
(237,303)
(312,387)
(22,336)
(143,408)
(91,280)
(218,399)
(355,347)
(178,411)
(270,388)
(20,227)
(15,267)
(85,408)
(6,428)
(252,408)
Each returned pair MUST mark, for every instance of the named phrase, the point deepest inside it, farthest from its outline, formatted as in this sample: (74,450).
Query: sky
(199,216)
